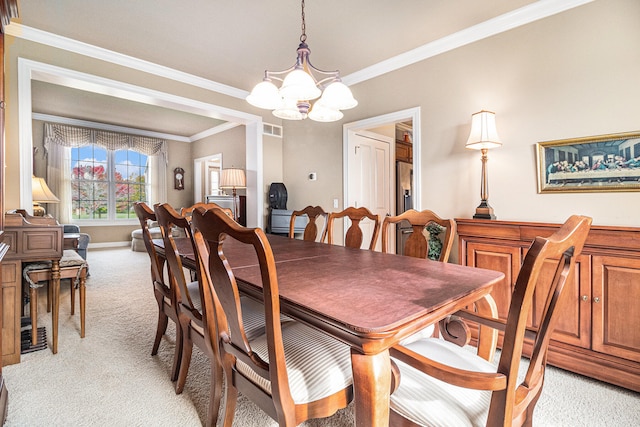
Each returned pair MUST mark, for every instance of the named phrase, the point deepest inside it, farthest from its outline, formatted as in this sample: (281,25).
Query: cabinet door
(506,259)
(616,306)
(574,310)
(11,290)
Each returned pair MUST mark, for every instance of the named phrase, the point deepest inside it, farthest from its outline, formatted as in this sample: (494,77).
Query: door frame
(349,129)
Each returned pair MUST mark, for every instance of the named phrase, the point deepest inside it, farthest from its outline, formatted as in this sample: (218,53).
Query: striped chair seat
(317,365)
(431,402)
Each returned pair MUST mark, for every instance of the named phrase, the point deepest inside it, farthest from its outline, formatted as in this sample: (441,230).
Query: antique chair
(165,296)
(189,295)
(292,372)
(353,237)
(424,224)
(442,383)
(311,230)
(71,266)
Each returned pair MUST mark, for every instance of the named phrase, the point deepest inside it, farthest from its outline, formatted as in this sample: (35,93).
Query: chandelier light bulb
(299,85)
(338,96)
(265,95)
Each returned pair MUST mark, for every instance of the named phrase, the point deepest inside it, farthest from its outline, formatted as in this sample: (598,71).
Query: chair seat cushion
(430,402)
(317,365)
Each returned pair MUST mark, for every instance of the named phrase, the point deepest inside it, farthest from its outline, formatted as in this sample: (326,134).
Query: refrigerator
(404,202)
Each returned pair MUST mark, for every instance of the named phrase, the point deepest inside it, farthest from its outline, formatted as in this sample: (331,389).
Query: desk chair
(311,229)
(442,383)
(417,245)
(353,237)
(292,372)
(71,266)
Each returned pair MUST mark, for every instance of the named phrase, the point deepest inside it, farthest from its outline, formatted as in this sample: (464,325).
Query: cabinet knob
(585,298)
(596,300)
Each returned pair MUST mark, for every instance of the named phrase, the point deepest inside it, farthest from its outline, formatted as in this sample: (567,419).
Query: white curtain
(59,181)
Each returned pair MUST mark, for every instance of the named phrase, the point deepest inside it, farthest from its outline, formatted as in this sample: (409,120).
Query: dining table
(369,300)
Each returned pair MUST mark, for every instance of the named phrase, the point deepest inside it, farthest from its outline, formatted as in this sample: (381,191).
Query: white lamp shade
(41,192)
(299,85)
(288,110)
(232,178)
(483,131)
(322,113)
(265,95)
(338,96)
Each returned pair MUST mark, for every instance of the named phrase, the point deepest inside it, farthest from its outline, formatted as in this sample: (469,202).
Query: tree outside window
(105,184)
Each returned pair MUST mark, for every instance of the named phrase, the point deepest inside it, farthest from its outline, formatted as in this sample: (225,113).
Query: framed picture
(589,164)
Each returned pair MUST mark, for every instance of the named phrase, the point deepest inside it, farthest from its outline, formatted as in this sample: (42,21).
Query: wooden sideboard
(597,333)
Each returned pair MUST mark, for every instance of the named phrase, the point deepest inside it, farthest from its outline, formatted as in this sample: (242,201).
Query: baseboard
(105,245)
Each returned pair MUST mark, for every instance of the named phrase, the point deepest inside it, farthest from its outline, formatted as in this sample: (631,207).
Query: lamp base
(38,210)
(484,211)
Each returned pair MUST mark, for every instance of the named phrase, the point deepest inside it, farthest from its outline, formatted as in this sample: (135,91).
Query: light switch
(335,203)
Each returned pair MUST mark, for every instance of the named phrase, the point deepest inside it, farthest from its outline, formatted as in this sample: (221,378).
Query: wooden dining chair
(188,211)
(431,236)
(354,236)
(311,229)
(188,295)
(442,383)
(292,372)
(166,297)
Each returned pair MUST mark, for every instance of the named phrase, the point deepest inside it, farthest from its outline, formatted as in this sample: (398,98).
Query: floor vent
(272,130)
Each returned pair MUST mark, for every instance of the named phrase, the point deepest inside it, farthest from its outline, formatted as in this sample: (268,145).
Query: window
(106,183)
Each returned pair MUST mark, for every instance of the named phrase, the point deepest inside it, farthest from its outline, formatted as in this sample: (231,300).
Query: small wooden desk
(369,300)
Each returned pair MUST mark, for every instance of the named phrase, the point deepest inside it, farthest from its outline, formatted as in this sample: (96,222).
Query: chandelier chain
(303,36)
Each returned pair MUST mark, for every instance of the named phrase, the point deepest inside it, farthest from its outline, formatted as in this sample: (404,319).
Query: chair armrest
(458,377)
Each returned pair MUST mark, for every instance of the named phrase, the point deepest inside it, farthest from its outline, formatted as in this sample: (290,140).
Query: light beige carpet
(109,378)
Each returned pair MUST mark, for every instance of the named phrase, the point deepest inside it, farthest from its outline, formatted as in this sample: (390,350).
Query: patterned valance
(74,136)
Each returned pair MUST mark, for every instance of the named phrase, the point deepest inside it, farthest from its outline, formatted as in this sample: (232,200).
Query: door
(369,179)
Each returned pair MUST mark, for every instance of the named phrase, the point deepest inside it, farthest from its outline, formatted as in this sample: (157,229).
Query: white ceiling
(233,42)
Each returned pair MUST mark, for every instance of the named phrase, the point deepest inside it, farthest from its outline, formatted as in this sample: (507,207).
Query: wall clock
(178,179)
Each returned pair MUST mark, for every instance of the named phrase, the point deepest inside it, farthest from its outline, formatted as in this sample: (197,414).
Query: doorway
(206,175)
(353,183)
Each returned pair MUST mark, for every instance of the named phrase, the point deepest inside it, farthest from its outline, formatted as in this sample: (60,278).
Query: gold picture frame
(600,163)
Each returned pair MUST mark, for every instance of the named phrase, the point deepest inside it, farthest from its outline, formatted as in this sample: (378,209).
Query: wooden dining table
(368,300)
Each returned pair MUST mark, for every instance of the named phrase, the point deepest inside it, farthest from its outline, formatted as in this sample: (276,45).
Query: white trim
(32,70)
(212,131)
(510,20)
(39,36)
(372,122)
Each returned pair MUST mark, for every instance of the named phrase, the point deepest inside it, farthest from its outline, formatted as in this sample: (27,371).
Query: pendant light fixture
(302,84)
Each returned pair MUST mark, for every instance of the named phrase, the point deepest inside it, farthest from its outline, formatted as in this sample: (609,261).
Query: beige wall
(570,75)
(574,74)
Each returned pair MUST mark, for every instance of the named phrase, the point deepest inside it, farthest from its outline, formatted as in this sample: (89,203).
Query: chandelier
(302,84)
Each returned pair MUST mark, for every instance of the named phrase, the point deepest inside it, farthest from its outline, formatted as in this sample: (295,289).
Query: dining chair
(442,383)
(188,211)
(354,236)
(431,236)
(292,372)
(189,297)
(166,297)
(311,229)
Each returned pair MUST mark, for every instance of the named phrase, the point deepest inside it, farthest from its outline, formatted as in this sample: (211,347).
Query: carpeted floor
(109,378)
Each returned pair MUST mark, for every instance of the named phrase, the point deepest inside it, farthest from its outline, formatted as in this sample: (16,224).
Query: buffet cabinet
(597,333)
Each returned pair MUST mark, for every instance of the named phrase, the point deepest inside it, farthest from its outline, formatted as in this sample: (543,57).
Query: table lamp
(41,194)
(482,137)
(233,178)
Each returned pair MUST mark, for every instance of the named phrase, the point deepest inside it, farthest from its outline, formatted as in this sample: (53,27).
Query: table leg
(55,282)
(371,387)
(33,309)
(83,293)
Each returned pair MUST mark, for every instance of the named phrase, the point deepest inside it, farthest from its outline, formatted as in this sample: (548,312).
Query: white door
(369,178)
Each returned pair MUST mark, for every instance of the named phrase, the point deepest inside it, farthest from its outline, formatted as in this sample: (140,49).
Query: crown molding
(510,20)
(43,37)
